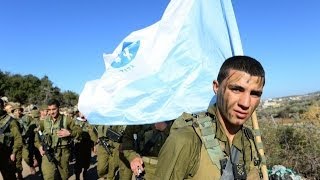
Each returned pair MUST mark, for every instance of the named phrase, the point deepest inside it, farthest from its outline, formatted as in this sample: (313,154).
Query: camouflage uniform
(49,127)
(184,155)
(142,146)
(10,143)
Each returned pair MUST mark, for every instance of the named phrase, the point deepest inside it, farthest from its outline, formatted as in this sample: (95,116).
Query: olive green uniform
(108,164)
(83,147)
(10,143)
(102,154)
(60,146)
(26,126)
(144,141)
(184,155)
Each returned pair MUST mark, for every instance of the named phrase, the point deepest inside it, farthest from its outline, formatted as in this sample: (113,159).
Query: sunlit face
(53,111)
(17,113)
(8,108)
(237,97)
(43,113)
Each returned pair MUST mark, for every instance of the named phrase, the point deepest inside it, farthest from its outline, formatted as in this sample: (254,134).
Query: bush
(295,146)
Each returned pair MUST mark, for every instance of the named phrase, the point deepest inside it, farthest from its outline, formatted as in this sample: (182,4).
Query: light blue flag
(158,72)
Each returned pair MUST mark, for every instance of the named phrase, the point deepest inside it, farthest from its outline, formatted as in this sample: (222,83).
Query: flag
(167,68)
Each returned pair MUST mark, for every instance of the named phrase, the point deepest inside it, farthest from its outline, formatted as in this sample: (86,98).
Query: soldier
(35,115)
(43,112)
(23,122)
(83,147)
(215,144)
(53,140)
(10,143)
(102,154)
(117,161)
(107,150)
(141,146)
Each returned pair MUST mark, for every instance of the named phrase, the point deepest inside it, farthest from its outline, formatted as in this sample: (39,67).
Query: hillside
(290,132)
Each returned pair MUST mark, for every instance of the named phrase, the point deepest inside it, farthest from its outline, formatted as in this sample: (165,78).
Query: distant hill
(29,89)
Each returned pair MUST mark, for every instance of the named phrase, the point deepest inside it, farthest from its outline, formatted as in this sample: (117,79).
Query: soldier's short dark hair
(53,102)
(241,63)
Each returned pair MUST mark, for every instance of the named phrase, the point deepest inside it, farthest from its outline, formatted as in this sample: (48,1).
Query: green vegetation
(291,135)
(29,89)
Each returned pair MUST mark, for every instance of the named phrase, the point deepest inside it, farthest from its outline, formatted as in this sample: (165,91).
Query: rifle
(49,152)
(113,136)
(103,141)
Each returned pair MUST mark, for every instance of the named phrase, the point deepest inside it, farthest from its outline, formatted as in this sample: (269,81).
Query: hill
(29,89)
(291,132)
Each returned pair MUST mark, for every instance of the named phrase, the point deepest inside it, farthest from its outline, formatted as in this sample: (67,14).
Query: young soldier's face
(53,111)
(43,113)
(237,97)
(17,113)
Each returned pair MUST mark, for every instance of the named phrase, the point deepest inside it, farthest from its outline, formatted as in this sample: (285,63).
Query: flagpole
(258,140)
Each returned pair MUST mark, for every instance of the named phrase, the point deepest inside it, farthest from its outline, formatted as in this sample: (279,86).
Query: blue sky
(65,40)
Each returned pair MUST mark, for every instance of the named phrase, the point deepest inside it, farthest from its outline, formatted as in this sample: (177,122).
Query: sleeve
(127,144)
(17,144)
(92,133)
(179,155)
(37,142)
(74,129)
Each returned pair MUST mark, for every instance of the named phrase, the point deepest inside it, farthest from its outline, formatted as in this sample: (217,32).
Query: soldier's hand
(42,152)
(63,133)
(136,166)
(95,149)
(13,157)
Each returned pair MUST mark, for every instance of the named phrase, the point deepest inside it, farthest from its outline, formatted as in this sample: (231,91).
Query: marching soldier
(107,147)
(141,146)
(53,140)
(10,143)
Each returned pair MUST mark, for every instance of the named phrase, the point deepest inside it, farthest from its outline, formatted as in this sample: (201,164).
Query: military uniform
(102,154)
(27,126)
(83,147)
(188,154)
(108,164)
(49,128)
(10,143)
(144,141)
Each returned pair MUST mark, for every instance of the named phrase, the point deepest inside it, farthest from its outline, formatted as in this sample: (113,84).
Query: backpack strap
(206,125)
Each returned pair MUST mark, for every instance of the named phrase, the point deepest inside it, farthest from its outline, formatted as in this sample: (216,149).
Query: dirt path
(92,172)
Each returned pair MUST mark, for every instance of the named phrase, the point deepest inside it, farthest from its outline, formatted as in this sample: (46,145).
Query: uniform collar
(220,132)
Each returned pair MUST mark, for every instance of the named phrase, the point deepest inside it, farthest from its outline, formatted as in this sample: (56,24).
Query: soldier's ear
(215,86)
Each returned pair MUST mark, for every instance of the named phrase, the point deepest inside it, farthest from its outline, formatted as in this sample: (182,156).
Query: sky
(65,40)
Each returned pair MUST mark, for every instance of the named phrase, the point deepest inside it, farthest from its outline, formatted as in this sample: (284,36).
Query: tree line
(29,89)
